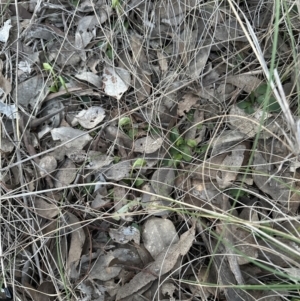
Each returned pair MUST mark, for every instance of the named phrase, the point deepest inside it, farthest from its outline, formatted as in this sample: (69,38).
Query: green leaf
(186,153)
(53,88)
(243,105)
(47,67)
(117,159)
(174,134)
(260,99)
(115,3)
(261,90)
(190,116)
(138,182)
(191,142)
(173,151)
(167,162)
(125,209)
(274,105)
(274,108)
(139,163)
(177,157)
(201,150)
(124,121)
(249,110)
(126,25)
(179,141)
(235,192)
(132,133)
(109,52)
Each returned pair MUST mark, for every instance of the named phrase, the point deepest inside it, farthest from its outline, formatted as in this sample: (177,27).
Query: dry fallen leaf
(161,185)
(230,167)
(64,134)
(189,100)
(273,186)
(90,77)
(164,263)
(4,31)
(6,146)
(123,235)
(247,124)
(115,81)
(118,171)
(246,82)
(76,245)
(47,165)
(45,209)
(198,63)
(31,92)
(91,117)
(102,270)
(66,174)
(158,234)
(147,145)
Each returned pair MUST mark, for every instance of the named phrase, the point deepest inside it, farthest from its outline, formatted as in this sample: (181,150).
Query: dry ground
(150,150)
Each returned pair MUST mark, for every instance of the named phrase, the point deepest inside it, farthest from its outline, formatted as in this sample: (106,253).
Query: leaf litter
(149,160)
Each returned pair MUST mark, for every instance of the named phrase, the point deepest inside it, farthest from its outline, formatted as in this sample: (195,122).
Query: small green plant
(181,150)
(115,4)
(57,79)
(126,125)
(237,193)
(257,97)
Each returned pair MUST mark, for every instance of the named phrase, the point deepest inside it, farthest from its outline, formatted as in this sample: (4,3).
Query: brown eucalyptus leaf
(189,100)
(86,31)
(6,146)
(262,176)
(97,160)
(198,63)
(158,234)
(65,134)
(66,174)
(162,181)
(91,117)
(90,77)
(248,125)
(244,81)
(102,270)
(45,209)
(31,92)
(231,166)
(4,31)
(147,145)
(123,235)
(47,165)
(76,244)
(115,81)
(118,171)
(164,263)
